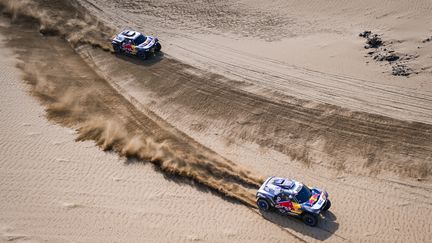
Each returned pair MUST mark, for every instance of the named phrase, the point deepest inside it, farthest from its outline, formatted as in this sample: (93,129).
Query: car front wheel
(263,204)
(142,55)
(327,206)
(310,219)
(158,47)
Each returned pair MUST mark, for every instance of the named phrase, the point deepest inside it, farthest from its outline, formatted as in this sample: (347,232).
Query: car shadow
(326,224)
(152,60)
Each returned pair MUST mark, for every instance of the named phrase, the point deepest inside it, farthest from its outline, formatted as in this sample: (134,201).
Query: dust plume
(75,96)
(66,19)
(170,155)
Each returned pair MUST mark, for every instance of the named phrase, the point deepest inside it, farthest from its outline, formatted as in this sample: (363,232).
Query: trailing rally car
(135,43)
(291,197)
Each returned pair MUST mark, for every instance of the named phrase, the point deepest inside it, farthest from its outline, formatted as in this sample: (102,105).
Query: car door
(128,46)
(283,201)
(295,206)
(287,204)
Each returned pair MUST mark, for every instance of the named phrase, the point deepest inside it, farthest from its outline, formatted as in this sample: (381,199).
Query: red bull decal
(287,204)
(293,207)
(129,48)
(313,199)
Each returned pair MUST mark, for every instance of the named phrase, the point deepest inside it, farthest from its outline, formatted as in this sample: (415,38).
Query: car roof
(130,34)
(277,185)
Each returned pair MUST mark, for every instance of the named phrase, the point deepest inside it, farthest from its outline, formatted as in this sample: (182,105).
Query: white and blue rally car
(135,43)
(293,198)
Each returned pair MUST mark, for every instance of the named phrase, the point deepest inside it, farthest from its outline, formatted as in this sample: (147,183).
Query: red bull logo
(293,207)
(287,204)
(129,48)
(313,199)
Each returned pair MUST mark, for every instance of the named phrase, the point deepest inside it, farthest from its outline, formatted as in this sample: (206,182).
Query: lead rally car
(135,43)
(291,197)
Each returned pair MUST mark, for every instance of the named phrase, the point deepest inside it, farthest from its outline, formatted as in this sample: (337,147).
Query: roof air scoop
(128,33)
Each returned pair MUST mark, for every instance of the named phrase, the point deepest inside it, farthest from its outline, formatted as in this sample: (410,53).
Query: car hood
(149,42)
(317,200)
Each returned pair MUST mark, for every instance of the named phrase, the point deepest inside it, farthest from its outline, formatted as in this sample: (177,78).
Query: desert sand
(98,147)
(55,189)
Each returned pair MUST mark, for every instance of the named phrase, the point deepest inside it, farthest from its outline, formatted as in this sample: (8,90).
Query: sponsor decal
(313,199)
(291,206)
(130,48)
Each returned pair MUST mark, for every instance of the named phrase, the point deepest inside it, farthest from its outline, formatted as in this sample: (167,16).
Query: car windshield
(139,40)
(304,194)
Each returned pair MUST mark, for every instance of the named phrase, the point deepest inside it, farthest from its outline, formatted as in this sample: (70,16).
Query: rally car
(135,43)
(291,197)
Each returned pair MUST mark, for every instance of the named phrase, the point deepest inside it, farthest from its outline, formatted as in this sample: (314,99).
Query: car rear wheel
(327,206)
(263,204)
(310,219)
(116,48)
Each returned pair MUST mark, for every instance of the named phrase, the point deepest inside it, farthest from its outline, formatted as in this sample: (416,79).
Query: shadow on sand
(151,60)
(326,224)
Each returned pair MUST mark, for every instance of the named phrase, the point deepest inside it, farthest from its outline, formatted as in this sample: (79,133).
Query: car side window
(285,197)
(281,197)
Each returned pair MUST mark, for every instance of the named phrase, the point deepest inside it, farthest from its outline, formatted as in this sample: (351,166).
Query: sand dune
(214,116)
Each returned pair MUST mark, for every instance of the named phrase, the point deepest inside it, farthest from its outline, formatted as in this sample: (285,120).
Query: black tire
(263,204)
(310,219)
(142,55)
(116,48)
(158,47)
(327,206)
